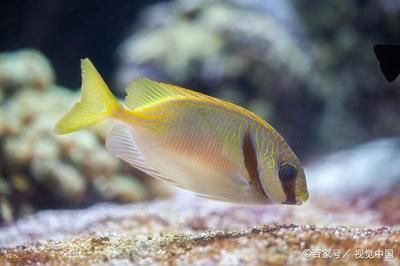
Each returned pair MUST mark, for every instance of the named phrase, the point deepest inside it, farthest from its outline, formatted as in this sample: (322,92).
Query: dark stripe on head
(250,161)
(287,174)
(290,192)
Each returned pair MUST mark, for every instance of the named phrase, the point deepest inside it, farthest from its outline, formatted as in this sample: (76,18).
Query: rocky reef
(39,169)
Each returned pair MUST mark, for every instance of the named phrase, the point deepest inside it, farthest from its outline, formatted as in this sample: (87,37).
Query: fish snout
(292,202)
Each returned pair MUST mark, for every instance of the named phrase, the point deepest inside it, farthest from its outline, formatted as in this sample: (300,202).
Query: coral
(41,169)
(25,68)
(208,41)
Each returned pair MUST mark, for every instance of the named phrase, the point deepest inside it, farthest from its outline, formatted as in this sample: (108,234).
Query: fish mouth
(290,191)
(292,202)
(303,196)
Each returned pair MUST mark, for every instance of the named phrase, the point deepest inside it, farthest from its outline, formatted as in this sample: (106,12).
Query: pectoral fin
(121,143)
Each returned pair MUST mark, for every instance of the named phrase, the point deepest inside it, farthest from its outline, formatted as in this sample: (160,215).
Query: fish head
(283,179)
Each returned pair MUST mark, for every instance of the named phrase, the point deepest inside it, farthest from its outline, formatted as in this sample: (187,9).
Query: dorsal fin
(144,92)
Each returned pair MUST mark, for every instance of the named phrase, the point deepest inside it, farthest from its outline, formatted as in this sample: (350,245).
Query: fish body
(197,142)
(388,56)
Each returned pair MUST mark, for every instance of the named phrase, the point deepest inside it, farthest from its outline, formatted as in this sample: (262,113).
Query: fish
(211,147)
(388,56)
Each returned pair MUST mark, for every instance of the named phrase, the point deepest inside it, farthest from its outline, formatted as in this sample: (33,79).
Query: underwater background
(306,67)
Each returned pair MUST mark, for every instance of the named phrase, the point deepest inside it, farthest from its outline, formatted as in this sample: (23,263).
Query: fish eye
(287,173)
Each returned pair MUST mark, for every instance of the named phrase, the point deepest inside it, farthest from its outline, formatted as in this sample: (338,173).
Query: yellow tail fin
(96,104)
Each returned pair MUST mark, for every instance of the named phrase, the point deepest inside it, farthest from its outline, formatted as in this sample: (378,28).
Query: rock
(5,210)
(25,68)
(121,188)
(369,169)
(186,230)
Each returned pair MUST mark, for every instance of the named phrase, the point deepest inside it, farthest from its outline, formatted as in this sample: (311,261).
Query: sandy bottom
(187,230)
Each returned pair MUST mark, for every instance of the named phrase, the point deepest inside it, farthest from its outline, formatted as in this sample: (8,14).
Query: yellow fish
(211,147)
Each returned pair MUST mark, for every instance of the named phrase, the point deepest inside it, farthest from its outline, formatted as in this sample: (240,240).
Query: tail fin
(96,104)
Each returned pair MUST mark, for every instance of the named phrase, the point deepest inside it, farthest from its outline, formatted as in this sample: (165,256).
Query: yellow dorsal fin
(143,92)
